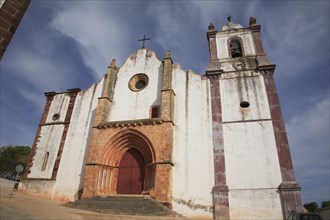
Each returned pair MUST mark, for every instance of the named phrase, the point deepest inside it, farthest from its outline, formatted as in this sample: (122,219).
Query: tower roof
(230,25)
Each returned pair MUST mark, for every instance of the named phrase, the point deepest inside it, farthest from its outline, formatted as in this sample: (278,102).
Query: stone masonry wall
(11,14)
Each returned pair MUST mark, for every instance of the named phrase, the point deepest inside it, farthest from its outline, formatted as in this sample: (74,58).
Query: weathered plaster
(192,153)
(243,87)
(71,169)
(40,187)
(50,139)
(251,157)
(128,105)
(59,106)
(257,203)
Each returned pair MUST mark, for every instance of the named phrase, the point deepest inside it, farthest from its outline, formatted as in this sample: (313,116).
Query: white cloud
(41,71)
(308,132)
(181,31)
(172,26)
(98,31)
(298,39)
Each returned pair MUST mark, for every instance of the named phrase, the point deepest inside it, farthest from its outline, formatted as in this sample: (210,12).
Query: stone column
(167,91)
(289,189)
(104,102)
(211,37)
(262,58)
(220,189)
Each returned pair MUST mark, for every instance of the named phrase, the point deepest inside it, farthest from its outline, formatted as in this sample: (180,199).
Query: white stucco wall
(193,171)
(59,106)
(129,105)
(248,86)
(251,156)
(50,139)
(252,166)
(71,170)
(255,204)
(252,170)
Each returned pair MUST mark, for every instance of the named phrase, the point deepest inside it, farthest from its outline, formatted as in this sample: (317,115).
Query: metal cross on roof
(229,18)
(144,39)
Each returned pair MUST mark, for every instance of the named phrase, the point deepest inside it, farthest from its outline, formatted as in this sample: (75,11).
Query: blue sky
(67,44)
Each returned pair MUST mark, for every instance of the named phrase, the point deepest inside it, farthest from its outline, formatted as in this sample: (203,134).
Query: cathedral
(209,145)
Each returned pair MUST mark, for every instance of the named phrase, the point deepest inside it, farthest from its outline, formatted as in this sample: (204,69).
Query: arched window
(44,164)
(235,48)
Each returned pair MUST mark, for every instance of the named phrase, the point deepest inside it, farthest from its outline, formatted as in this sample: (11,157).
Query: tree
(10,157)
(325,204)
(311,207)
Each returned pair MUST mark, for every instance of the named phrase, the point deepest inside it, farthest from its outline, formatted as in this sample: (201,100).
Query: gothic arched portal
(126,165)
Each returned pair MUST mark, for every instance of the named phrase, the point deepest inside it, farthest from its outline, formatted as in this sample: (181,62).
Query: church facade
(211,145)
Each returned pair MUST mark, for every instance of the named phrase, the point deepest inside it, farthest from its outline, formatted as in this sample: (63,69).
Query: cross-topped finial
(144,39)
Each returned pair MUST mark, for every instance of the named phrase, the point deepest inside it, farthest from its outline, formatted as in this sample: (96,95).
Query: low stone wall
(324,213)
(39,187)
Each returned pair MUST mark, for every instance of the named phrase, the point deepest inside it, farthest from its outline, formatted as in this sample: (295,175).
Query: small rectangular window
(44,164)
(154,111)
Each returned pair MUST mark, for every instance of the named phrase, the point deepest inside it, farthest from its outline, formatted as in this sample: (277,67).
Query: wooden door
(131,173)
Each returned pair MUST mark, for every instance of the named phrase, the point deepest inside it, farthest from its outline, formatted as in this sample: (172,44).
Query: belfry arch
(126,149)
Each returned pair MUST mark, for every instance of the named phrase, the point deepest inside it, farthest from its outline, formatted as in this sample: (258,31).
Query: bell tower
(254,175)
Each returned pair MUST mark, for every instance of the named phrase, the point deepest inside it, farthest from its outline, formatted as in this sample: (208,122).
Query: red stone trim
(211,35)
(130,123)
(54,123)
(279,130)
(261,56)
(161,162)
(213,74)
(214,62)
(289,189)
(220,189)
(49,100)
(73,95)
(256,38)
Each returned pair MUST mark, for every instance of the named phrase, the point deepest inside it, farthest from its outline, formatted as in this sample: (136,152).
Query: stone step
(123,205)
(129,217)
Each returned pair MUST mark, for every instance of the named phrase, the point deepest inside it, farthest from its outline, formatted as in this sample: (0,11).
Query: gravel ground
(27,207)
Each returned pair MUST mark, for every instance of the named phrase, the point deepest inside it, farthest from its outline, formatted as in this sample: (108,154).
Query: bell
(236,53)
(235,49)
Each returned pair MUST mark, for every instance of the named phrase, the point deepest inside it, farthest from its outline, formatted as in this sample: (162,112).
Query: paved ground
(27,207)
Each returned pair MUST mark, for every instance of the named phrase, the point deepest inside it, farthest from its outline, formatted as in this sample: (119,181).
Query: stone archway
(126,161)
